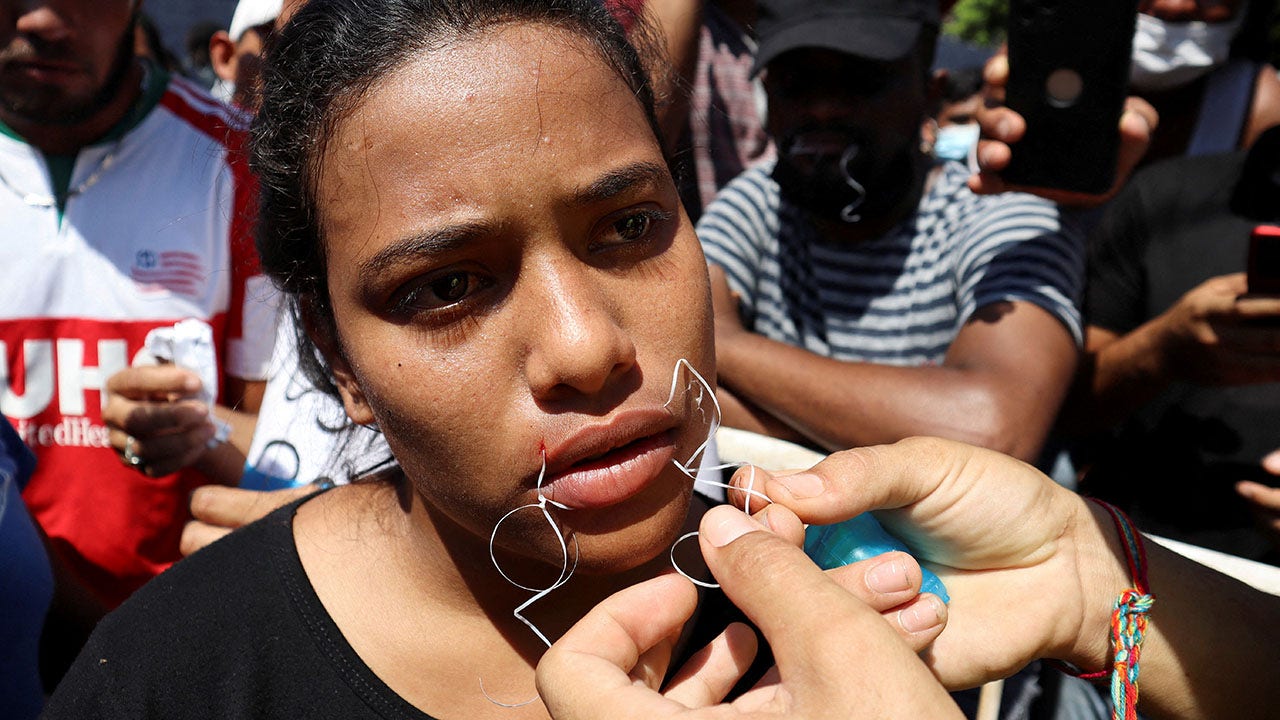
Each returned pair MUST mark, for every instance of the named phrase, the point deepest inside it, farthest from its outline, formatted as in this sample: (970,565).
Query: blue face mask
(956,141)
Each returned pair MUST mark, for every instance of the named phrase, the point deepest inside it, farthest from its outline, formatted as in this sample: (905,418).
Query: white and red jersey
(164,233)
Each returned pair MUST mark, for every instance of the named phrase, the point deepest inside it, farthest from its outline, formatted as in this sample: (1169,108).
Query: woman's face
(511,272)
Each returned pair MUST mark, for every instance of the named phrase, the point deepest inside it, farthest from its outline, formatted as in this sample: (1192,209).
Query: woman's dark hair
(319,68)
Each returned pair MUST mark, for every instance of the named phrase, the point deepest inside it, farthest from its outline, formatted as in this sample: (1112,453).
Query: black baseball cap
(874,29)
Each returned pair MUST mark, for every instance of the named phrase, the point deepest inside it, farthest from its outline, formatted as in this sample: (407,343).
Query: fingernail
(728,525)
(1003,128)
(191,384)
(924,615)
(889,576)
(802,485)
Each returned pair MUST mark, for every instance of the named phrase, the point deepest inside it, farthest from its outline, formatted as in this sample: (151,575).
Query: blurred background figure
(148,44)
(126,207)
(725,131)
(26,584)
(1181,388)
(960,99)
(235,54)
(1202,64)
(195,60)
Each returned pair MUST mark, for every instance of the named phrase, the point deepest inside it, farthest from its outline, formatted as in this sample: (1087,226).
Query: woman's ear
(324,336)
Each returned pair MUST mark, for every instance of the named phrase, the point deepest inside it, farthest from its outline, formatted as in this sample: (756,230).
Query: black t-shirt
(237,631)
(1174,463)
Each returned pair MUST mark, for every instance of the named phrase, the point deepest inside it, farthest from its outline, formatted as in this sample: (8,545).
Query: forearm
(1210,641)
(1211,645)
(242,425)
(840,404)
(1119,375)
(743,415)
(224,462)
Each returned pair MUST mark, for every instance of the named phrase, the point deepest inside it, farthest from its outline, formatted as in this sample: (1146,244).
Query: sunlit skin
(510,271)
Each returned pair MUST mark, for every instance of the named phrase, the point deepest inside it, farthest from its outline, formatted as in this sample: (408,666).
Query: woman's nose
(577,347)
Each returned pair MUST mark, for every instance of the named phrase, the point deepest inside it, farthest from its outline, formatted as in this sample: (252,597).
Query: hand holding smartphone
(1264,261)
(1068,78)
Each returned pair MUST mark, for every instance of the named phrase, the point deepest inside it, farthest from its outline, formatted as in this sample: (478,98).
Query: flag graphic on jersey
(173,270)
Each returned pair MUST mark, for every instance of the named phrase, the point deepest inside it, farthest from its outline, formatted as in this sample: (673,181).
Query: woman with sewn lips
(468,203)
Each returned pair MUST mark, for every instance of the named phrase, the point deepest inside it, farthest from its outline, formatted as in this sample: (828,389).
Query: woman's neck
(403,584)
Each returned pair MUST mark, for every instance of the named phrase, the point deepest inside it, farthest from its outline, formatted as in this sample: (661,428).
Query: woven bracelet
(1128,623)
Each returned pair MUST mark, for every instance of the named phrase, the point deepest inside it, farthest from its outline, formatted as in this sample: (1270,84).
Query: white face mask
(956,141)
(1167,55)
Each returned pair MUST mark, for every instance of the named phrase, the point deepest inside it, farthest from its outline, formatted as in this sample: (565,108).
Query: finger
(1260,496)
(164,454)
(883,582)
(848,483)
(230,507)
(709,675)
(987,183)
(651,667)
(586,673)
(995,73)
(920,621)
(154,380)
(890,585)
(196,535)
(829,646)
(1142,110)
(783,523)
(144,419)
(1002,125)
(746,489)
(1272,462)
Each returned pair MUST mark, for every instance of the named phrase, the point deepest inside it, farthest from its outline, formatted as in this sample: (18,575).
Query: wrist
(1104,575)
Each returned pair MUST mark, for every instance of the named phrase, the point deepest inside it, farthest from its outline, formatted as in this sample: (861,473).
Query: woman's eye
(451,288)
(633,227)
(439,292)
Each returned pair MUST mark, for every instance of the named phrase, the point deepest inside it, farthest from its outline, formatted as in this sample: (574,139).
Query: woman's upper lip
(597,439)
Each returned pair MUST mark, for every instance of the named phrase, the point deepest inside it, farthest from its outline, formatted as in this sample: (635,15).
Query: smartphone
(1068,77)
(1264,260)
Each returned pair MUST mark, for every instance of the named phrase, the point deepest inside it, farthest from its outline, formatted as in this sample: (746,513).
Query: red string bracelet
(1128,622)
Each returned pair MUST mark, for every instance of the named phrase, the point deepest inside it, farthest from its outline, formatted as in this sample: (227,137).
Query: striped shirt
(899,299)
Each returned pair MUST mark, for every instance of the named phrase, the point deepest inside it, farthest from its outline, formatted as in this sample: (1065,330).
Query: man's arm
(999,386)
(1210,337)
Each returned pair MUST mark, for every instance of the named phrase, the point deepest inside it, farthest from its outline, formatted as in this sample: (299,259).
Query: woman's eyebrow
(615,182)
(425,244)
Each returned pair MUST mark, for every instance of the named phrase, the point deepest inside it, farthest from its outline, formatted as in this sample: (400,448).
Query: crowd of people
(367,362)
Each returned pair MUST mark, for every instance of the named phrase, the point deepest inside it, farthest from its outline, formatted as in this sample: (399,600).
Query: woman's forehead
(515,104)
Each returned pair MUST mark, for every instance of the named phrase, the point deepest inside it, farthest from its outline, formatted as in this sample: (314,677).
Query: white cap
(251,14)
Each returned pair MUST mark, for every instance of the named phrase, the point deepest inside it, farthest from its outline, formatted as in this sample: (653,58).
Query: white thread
(499,703)
(848,212)
(704,390)
(678,569)
(566,571)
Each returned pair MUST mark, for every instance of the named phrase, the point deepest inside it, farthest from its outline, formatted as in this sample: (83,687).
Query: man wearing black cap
(863,293)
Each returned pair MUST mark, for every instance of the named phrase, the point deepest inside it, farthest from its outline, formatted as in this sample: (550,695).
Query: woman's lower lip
(613,478)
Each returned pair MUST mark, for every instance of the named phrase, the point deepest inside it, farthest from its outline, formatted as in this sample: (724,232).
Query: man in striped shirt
(863,292)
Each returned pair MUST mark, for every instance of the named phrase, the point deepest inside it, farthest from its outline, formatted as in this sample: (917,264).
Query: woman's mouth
(612,476)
